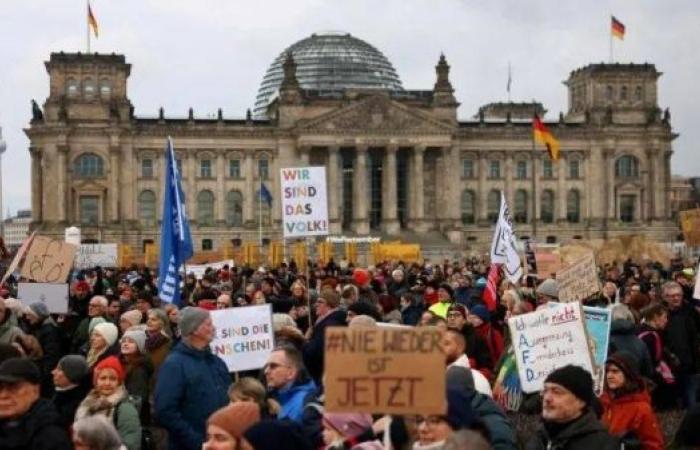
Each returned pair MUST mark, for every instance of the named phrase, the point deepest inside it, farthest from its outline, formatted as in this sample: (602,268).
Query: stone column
(667,181)
(534,210)
(418,196)
(610,213)
(483,191)
(274,187)
(127,186)
(115,175)
(334,184)
(509,179)
(62,154)
(220,210)
(37,184)
(360,192)
(390,222)
(596,175)
(562,191)
(249,195)
(453,182)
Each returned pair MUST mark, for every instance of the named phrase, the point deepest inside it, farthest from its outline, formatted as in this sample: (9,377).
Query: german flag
(92,22)
(542,135)
(617,28)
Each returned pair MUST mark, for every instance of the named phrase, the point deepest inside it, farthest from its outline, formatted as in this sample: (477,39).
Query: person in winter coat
(340,428)
(196,383)
(139,370)
(476,349)
(226,426)
(109,398)
(651,333)
(275,435)
(96,432)
(27,421)
(9,331)
(480,318)
(626,403)
(103,343)
(43,327)
(72,384)
(158,338)
(328,314)
(288,383)
(568,422)
(97,307)
(410,310)
(623,337)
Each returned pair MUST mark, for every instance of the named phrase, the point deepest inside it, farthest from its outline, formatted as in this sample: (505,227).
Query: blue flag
(175,238)
(264,194)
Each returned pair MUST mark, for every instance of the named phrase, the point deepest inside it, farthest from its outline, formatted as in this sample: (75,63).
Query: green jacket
(126,421)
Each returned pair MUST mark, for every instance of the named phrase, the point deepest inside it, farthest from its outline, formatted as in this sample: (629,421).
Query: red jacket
(633,412)
(493,339)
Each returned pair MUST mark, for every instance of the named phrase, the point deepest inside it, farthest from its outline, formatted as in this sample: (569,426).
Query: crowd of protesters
(124,371)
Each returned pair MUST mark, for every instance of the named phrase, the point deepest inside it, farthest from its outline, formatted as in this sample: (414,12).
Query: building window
(72,87)
(521,170)
(520,210)
(574,167)
(551,239)
(609,93)
(89,210)
(234,209)
(89,87)
(147,208)
(494,169)
(628,205)
(493,204)
(547,171)
(179,167)
(234,168)
(623,93)
(205,170)
(147,168)
(205,208)
(627,167)
(468,215)
(638,93)
(547,206)
(88,165)
(467,168)
(207,244)
(263,169)
(573,206)
(105,88)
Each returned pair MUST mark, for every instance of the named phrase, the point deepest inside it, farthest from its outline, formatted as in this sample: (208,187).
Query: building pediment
(375,115)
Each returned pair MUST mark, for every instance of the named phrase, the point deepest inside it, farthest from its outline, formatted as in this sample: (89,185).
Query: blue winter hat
(481,312)
(481,282)
(459,410)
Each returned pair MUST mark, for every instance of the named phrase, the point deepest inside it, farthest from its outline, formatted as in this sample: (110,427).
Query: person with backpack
(110,399)
(654,321)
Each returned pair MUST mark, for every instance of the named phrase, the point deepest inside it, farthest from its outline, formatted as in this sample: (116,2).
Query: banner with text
(48,260)
(54,296)
(578,280)
(244,336)
(304,202)
(598,321)
(199,269)
(547,339)
(92,255)
(690,224)
(384,370)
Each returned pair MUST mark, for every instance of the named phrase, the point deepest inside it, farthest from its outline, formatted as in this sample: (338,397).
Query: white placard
(73,235)
(304,202)
(199,269)
(547,339)
(244,336)
(54,296)
(92,255)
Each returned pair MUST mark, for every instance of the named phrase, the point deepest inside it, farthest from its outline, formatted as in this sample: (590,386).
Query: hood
(622,326)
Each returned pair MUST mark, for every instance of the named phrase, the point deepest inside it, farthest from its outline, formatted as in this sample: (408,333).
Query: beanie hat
(361,277)
(459,378)
(94,322)
(481,282)
(481,312)
(548,287)
(39,309)
(138,336)
(448,288)
(134,317)
(110,362)
(74,367)
(576,380)
(459,411)
(108,331)
(280,320)
(191,318)
(236,418)
(348,424)
(458,307)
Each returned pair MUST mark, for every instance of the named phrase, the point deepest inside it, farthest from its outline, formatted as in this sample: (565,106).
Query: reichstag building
(399,163)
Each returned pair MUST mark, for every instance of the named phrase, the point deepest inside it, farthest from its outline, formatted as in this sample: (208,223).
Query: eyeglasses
(454,315)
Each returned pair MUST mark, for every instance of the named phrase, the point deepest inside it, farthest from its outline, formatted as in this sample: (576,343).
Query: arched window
(547,206)
(205,208)
(608,92)
(520,210)
(468,215)
(89,87)
(493,205)
(147,207)
(234,209)
(88,165)
(623,93)
(105,87)
(638,93)
(627,167)
(72,87)
(573,206)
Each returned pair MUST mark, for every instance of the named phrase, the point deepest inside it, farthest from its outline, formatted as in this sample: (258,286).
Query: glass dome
(330,62)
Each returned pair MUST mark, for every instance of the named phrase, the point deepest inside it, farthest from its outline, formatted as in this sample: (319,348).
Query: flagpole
(534,188)
(87,23)
(260,193)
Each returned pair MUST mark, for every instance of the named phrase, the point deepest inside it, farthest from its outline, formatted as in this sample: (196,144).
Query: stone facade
(16,229)
(396,161)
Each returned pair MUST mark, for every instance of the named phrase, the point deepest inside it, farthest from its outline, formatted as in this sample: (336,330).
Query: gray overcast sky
(214,53)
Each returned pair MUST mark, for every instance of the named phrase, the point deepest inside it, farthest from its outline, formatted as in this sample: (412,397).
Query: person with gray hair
(623,337)
(97,307)
(96,432)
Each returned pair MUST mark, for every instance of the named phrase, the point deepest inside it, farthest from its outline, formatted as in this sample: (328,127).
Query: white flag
(503,249)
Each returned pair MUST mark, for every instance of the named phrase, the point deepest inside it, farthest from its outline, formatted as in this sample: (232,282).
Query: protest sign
(579,280)
(408,253)
(244,336)
(690,224)
(384,370)
(304,203)
(598,322)
(547,339)
(18,257)
(93,255)
(547,260)
(54,296)
(48,260)
(199,269)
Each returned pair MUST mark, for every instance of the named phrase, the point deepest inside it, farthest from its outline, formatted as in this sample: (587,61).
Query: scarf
(95,403)
(94,355)
(156,340)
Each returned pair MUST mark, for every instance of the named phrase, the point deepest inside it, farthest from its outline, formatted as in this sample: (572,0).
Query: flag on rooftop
(92,21)
(542,135)
(617,28)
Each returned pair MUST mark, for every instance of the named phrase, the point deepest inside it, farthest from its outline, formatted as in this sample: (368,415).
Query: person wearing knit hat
(94,322)
(568,421)
(347,427)
(547,291)
(130,319)
(73,368)
(191,318)
(479,318)
(135,339)
(226,426)
(72,385)
(38,310)
(102,339)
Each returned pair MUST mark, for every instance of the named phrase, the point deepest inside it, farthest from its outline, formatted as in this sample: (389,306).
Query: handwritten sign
(598,321)
(18,257)
(244,336)
(48,260)
(690,224)
(304,202)
(93,255)
(579,280)
(548,261)
(199,269)
(384,370)
(547,339)
(54,296)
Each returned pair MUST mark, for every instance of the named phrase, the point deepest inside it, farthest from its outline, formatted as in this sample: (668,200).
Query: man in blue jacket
(192,383)
(288,382)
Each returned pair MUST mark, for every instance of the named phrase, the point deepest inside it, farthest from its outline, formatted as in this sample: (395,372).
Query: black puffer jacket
(585,433)
(67,402)
(39,429)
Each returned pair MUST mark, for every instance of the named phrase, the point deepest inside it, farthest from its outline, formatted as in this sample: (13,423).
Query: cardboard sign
(598,321)
(384,370)
(199,269)
(690,224)
(18,257)
(92,255)
(547,339)
(547,261)
(578,280)
(244,336)
(408,253)
(48,260)
(54,296)
(304,202)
